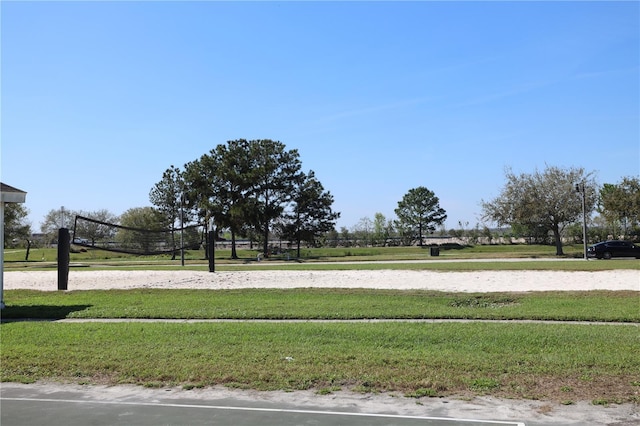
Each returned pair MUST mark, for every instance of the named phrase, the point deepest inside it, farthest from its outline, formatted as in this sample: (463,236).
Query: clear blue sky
(100,98)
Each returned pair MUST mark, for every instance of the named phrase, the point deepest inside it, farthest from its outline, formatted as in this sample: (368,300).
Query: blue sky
(100,98)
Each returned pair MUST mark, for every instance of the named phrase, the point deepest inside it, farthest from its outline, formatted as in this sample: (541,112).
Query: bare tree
(98,230)
(54,220)
(362,231)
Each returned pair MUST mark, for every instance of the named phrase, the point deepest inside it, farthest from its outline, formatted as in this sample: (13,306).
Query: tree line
(543,206)
(253,189)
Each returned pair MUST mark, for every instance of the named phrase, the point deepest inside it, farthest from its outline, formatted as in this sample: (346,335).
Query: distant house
(11,194)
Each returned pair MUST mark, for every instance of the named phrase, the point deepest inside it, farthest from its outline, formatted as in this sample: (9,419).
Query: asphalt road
(35,405)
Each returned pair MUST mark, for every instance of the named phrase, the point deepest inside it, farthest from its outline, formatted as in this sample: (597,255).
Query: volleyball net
(92,233)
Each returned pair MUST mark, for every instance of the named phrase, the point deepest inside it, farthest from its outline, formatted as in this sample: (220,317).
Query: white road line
(270,410)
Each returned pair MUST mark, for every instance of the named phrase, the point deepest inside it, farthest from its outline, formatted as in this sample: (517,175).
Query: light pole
(580,189)
(182,202)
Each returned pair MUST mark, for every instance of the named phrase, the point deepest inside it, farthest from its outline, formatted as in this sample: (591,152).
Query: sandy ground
(532,412)
(477,281)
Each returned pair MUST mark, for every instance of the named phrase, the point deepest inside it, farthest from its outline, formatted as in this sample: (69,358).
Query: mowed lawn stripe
(336,304)
(515,360)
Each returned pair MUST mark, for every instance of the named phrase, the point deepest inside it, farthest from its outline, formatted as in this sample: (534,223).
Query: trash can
(434,251)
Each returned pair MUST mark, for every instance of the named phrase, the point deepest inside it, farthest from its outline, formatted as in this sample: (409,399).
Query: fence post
(64,246)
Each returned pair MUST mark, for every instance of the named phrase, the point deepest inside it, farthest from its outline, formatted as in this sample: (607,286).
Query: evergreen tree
(311,214)
(420,211)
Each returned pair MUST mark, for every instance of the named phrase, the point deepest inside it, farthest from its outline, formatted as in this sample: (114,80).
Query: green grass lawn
(336,304)
(541,361)
(565,362)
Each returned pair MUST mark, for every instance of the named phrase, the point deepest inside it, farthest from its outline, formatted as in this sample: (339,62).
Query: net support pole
(64,245)
(211,250)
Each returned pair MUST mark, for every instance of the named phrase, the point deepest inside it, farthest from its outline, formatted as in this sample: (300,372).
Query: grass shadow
(13,313)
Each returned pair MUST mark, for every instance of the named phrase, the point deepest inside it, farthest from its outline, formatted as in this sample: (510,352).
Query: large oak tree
(544,200)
